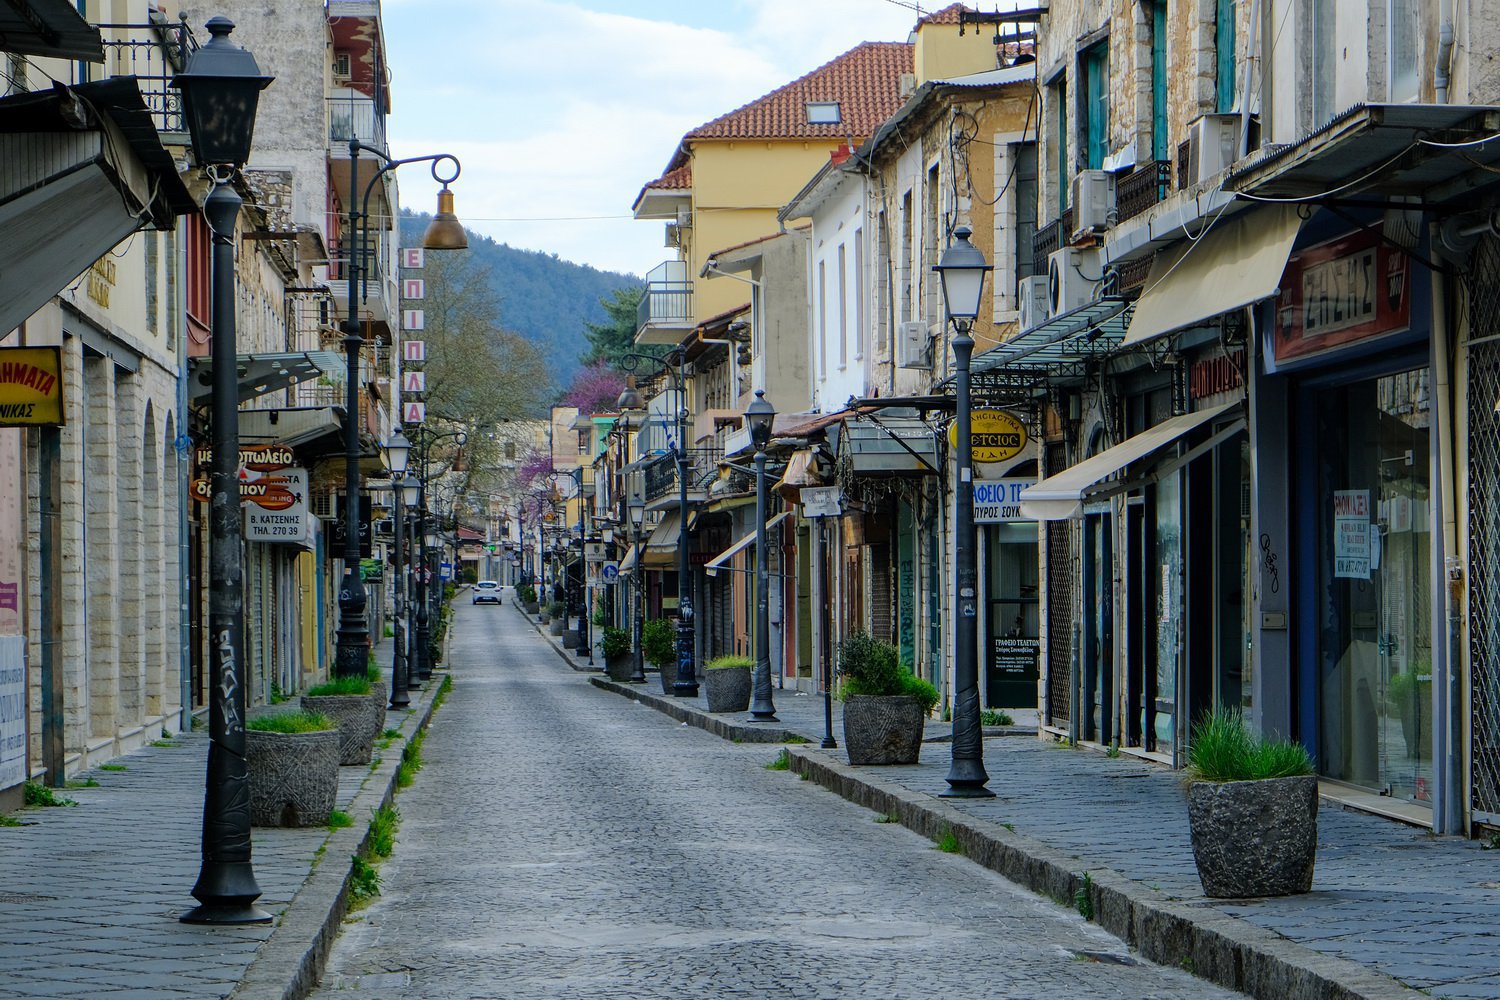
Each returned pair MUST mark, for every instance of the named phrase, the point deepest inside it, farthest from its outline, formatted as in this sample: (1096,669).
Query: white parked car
(486,591)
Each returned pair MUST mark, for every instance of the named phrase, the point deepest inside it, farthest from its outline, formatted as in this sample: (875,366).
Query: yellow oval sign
(994,435)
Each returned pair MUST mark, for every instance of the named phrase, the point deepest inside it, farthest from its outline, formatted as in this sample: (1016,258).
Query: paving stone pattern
(563,841)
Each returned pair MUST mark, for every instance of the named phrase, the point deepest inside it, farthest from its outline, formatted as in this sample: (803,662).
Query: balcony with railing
(153,52)
(1141,189)
(354,116)
(1051,238)
(703,469)
(666,310)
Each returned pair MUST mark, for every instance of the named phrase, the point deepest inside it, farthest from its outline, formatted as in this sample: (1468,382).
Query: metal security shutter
(881,618)
(1062,582)
(1484,526)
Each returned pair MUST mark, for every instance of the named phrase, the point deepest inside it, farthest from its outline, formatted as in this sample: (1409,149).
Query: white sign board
(822,501)
(413,413)
(414,350)
(413,381)
(1351,534)
(998,501)
(12,710)
(593,551)
(413,288)
(413,257)
(413,319)
(281,514)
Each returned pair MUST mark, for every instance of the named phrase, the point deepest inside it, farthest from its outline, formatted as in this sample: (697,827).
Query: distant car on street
(486,591)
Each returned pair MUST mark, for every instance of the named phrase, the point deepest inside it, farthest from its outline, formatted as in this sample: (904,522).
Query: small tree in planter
(348,701)
(526,594)
(1252,810)
(557,611)
(726,683)
(659,646)
(885,704)
(293,762)
(615,645)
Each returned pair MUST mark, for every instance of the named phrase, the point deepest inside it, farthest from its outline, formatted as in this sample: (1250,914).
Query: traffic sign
(611,572)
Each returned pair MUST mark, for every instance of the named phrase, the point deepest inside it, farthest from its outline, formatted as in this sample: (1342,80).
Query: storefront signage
(821,501)
(257,458)
(1217,375)
(998,501)
(12,710)
(1013,670)
(1339,293)
(1351,534)
(278,512)
(994,435)
(30,386)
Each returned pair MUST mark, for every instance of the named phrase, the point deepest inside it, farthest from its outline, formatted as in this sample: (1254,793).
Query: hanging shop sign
(994,435)
(278,513)
(30,387)
(1338,293)
(414,351)
(821,501)
(413,257)
(998,501)
(256,458)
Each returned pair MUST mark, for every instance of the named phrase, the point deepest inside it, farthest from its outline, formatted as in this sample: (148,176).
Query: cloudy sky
(560,111)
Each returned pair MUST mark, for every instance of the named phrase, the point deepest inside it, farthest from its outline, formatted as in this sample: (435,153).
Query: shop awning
(260,374)
(715,564)
(661,547)
(1236,263)
(1062,341)
(1062,496)
(295,428)
(49,28)
(628,562)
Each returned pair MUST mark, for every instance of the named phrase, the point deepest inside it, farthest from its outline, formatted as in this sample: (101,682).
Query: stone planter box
(532,608)
(619,668)
(668,676)
(883,730)
(380,700)
(557,626)
(353,714)
(571,639)
(1254,838)
(728,689)
(294,777)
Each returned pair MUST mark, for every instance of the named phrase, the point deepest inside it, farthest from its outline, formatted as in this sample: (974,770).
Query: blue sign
(611,572)
(445,571)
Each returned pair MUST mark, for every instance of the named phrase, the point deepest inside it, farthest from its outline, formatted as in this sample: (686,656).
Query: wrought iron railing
(665,302)
(356,117)
(1142,188)
(1051,238)
(703,467)
(660,476)
(153,53)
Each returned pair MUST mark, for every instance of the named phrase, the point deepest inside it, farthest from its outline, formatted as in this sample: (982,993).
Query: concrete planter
(380,700)
(571,639)
(352,713)
(619,668)
(1254,838)
(294,777)
(883,730)
(532,608)
(557,626)
(668,677)
(727,689)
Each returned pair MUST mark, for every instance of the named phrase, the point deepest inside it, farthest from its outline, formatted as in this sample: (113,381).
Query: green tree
(610,340)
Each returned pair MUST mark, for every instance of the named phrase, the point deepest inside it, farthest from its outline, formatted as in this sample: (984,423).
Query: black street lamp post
(420,662)
(760,415)
(633,502)
(961,271)
(397,450)
(220,88)
(686,685)
(443,233)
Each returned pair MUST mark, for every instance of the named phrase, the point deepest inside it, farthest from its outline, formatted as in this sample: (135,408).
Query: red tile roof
(865,81)
(676,179)
(948,15)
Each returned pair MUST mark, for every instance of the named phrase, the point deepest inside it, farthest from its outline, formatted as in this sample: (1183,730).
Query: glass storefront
(1374,592)
(1013,652)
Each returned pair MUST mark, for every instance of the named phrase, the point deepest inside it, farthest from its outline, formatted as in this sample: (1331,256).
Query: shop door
(1096,680)
(1373,691)
(1013,645)
(1164,607)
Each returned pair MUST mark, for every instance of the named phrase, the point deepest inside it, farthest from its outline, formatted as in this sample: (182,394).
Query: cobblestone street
(564,842)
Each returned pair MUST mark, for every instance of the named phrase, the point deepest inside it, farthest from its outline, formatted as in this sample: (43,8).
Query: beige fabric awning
(661,547)
(1236,263)
(715,564)
(627,564)
(1062,496)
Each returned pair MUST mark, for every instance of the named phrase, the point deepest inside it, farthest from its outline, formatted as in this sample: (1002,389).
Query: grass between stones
(113,767)
(40,795)
(783,761)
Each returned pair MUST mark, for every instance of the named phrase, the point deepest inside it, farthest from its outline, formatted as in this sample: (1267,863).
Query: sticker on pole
(611,572)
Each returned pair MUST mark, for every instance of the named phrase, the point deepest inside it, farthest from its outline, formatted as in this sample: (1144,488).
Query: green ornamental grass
(728,662)
(292,722)
(1224,750)
(341,686)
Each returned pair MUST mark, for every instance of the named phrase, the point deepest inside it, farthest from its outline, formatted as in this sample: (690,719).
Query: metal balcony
(703,468)
(153,53)
(666,310)
(353,116)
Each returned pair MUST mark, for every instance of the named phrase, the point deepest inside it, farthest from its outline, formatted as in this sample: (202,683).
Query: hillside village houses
(103,562)
(1240,292)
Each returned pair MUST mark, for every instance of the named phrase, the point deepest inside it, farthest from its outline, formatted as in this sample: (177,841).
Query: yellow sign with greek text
(994,435)
(30,386)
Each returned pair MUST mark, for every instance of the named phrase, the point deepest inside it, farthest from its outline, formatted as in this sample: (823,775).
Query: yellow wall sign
(994,435)
(30,386)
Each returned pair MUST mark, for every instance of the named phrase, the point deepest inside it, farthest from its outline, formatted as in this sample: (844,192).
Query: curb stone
(1224,950)
(695,716)
(290,963)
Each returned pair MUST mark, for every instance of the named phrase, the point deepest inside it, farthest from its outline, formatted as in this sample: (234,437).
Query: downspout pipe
(184,476)
(1252,58)
(1442,71)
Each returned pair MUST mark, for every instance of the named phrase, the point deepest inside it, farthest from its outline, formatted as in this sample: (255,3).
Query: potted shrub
(293,763)
(526,594)
(619,663)
(557,613)
(659,646)
(349,702)
(1409,698)
(885,704)
(1252,810)
(726,683)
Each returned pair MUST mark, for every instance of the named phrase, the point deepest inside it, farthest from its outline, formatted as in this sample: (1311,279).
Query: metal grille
(1484,526)
(1139,190)
(1062,580)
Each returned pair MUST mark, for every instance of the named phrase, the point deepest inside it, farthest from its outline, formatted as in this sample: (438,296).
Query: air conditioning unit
(1072,278)
(674,235)
(1032,301)
(1213,141)
(1093,200)
(684,218)
(913,345)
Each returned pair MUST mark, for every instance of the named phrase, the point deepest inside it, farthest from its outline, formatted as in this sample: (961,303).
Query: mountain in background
(544,298)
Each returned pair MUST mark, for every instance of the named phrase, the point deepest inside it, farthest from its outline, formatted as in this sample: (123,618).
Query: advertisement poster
(277,511)
(12,710)
(1351,534)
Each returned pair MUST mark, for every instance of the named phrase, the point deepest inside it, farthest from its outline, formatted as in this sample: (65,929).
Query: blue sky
(560,111)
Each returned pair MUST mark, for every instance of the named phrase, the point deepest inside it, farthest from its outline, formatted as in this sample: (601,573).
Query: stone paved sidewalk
(1388,897)
(90,894)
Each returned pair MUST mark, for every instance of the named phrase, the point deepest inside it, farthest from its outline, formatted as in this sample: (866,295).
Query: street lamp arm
(631,360)
(389,164)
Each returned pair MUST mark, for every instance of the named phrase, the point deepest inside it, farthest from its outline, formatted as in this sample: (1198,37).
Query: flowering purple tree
(594,389)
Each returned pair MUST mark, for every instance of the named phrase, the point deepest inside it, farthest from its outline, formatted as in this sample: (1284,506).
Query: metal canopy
(1061,346)
(263,373)
(48,28)
(715,564)
(1435,152)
